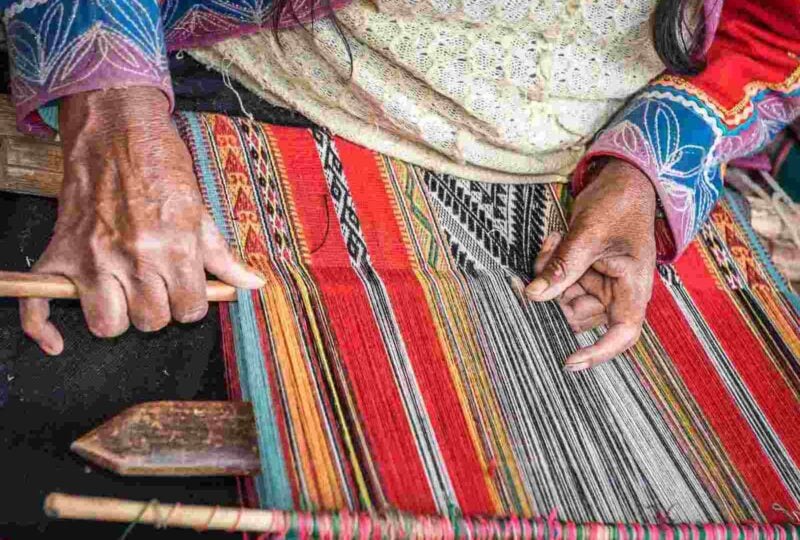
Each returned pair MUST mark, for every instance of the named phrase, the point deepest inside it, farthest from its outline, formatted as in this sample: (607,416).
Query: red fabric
(756,45)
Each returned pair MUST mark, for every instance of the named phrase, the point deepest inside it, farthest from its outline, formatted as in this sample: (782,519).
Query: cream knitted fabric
(493,90)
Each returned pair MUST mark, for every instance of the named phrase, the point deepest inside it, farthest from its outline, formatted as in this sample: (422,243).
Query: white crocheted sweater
(493,90)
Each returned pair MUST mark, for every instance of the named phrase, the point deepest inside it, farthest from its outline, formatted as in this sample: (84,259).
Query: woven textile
(392,368)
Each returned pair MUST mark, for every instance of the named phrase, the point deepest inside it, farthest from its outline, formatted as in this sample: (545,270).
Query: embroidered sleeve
(682,131)
(61,47)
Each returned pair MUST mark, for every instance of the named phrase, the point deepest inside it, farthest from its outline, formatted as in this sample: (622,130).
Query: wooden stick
(63,506)
(278,522)
(28,285)
(344,523)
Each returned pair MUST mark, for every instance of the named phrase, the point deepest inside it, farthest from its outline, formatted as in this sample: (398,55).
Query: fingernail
(518,287)
(258,275)
(576,367)
(536,288)
(52,351)
(551,240)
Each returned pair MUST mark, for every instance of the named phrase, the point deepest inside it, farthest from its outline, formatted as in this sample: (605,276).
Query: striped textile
(392,368)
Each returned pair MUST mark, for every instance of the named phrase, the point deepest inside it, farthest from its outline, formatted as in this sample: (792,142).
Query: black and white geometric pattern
(342,201)
(490,226)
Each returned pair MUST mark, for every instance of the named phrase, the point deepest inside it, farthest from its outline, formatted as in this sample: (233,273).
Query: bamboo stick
(29,285)
(342,524)
(63,506)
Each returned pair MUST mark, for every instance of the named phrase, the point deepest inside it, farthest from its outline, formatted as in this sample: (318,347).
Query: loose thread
(226,80)
(327,225)
(165,522)
(137,519)
(235,525)
(205,527)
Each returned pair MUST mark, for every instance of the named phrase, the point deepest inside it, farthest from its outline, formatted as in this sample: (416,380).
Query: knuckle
(617,266)
(97,247)
(184,249)
(144,274)
(557,266)
(30,327)
(141,247)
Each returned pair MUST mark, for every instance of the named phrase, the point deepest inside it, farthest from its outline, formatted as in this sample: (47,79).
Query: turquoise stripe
(758,248)
(272,484)
(202,161)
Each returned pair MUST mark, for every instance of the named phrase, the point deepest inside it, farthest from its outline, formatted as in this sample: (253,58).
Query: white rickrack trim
(15,9)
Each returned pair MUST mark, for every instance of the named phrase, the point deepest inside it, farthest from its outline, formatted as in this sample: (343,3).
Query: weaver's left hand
(601,272)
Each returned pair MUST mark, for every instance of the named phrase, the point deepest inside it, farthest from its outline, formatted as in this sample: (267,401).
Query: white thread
(226,80)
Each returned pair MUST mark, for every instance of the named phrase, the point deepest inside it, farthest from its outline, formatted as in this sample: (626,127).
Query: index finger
(618,339)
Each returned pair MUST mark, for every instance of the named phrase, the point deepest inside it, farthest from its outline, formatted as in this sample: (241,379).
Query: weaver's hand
(601,272)
(132,232)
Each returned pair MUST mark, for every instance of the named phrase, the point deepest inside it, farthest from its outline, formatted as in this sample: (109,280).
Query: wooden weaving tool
(176,438)
(25,285)
(172,438)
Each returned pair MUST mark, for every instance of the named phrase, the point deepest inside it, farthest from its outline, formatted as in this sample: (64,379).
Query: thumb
(221,262)
(569,261)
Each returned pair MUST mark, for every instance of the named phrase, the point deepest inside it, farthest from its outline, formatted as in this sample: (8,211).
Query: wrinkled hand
(132,232)
(601,272)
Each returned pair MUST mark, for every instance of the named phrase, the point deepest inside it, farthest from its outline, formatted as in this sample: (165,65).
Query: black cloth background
(46,403)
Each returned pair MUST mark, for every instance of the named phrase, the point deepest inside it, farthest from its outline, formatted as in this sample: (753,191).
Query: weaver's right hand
(132,232)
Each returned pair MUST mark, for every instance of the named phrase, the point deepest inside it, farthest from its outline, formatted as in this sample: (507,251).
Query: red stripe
(391,259)
(764,381)
(718,407)
(391,442)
